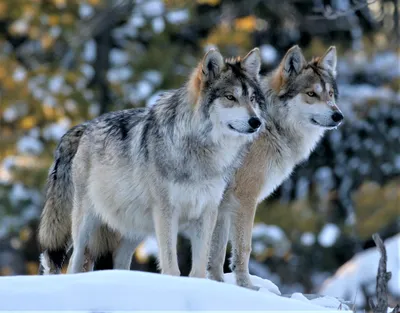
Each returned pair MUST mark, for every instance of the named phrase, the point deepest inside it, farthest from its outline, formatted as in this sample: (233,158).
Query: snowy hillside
(131,290)
(361,271)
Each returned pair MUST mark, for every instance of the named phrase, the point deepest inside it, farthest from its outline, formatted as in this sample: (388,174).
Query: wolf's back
(55,221)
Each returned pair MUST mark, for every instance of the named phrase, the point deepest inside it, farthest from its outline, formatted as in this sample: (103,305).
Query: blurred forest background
(65,61)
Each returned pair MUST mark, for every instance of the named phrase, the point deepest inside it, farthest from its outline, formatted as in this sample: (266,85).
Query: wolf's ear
(212,65)
(252,62)
(329,60)
(292,63)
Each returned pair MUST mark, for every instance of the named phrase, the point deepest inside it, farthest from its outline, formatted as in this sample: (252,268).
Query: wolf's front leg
(218,246)
(200,237)
(166,228)
(241,231)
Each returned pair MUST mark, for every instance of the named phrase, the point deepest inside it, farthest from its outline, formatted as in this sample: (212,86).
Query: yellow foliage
(3,72)
(67,19)
(49,112)
(47,41)
(29,11)
(3,9)
(53,20)
(28,122)
(32,268)
(34,32)
(60,3)
(209,2)
(94,2)
(25,234)
(6,271)
(247,23)
(8,83)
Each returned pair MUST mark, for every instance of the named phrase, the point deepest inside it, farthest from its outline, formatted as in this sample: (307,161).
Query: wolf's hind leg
(124,252)
(200,237)
(83,226)
(166,228)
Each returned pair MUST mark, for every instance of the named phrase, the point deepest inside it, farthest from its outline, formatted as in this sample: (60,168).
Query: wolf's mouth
(324,126)
(248,131)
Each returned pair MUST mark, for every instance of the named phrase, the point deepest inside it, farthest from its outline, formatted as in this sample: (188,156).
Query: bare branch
(381,279)
(330,14)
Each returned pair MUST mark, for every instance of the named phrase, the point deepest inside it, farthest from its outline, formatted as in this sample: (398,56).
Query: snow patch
(113,290)
(178,17)
(328,235)
(361,271)
(269,55)
(307,239)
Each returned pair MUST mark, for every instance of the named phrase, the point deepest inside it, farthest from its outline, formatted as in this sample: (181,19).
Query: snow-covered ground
(361,270)
(131,290)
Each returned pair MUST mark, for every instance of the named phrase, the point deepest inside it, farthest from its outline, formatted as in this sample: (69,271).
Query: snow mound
(361,270)
(264,284)
(120,290)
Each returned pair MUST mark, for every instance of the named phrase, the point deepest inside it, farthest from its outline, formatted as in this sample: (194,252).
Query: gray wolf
(157,170)
(301,105)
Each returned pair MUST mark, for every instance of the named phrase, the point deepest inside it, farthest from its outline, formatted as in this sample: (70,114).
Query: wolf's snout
(254,122)
(337,117)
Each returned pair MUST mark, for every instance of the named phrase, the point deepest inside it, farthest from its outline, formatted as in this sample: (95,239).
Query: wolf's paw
(215,275)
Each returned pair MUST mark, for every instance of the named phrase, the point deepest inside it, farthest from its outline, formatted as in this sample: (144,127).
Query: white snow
(178,17)
(158,25)
(56,83)
(132,290)
(153,76)
(10,114)
(272,231)
(361,270)
(153,99)
(29,144)
(85,10)
(264,284)
(55,131)
(116,75)
(307,239)
(328,235)
(268,54)
(152,8)
(147,248)
(269,236)
(142,91)
(19,74)
(118,57)
(89,51)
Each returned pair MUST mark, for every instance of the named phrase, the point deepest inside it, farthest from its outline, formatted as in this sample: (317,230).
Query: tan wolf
(301,105)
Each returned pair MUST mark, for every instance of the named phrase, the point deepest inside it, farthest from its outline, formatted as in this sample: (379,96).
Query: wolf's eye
(230,97)
(311,94)
(252,98)
(331,93)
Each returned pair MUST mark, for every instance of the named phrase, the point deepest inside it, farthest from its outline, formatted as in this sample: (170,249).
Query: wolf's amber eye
(230,97)
(252,98)
(331,93)
(311,94)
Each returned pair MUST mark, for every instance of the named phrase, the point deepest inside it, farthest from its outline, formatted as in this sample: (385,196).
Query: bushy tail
(55,221)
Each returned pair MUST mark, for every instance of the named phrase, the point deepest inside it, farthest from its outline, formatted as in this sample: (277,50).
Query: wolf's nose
(254,122)
(337,117)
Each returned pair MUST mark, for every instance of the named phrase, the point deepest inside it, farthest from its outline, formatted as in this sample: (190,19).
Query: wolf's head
(228,92)
(308,90)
